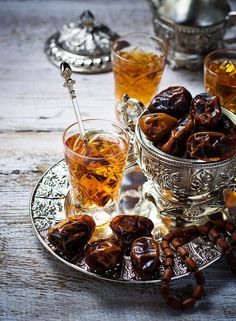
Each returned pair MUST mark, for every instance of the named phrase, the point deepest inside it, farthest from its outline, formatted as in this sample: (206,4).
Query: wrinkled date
(144,255)
(174,101)
(70,235)
(226,126)
(206,109)
(210,146)
(156,126)
(176,143)
(129,227)
(104,254)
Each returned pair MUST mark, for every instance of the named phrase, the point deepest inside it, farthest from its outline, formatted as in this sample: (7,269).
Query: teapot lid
(85,45)
(201,13)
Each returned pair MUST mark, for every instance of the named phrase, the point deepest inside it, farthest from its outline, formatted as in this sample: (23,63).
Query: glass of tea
(96,166)
(220,76)
(230,199)
(138,62)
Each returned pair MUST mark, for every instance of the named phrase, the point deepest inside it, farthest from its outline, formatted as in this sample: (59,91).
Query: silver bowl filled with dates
(186,147)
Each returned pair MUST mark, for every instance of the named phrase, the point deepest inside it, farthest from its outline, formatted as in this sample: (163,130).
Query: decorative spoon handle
(66,73)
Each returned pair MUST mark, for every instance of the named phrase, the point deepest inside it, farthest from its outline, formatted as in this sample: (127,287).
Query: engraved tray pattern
(47,208)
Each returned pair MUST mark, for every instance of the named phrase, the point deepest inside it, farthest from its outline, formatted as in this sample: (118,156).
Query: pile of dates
(131,236)
(193,128)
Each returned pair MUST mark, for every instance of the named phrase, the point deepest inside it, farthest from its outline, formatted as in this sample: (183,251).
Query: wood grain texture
(34,111)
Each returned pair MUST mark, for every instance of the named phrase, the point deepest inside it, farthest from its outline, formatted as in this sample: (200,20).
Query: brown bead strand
(174,241)
(227,248)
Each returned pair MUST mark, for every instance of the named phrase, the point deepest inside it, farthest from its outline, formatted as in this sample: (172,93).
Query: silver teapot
(192,28)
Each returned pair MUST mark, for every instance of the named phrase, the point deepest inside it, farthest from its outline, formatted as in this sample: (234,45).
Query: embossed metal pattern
(47,208)
(85,45)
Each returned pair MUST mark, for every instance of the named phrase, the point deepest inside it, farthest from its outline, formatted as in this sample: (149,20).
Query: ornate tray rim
(89,273)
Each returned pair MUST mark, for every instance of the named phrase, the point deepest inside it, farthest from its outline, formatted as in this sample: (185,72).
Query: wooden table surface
(34,111)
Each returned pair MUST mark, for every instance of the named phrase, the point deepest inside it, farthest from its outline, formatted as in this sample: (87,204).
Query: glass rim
(94,119)
(211,54)
(161,56)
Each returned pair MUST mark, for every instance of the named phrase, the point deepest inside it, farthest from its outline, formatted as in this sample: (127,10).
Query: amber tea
(96,168)
(220,78)
(140,79)
(138,64)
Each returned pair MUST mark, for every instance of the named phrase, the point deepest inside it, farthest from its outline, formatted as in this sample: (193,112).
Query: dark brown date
(144,256)
(176,143)
(70,235)
(206,109)
(156,126)
(210,146)
(227,127)
(103,255)
(174,101)
(130,227)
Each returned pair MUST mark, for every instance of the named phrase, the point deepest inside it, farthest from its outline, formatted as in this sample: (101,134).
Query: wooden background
(34,111)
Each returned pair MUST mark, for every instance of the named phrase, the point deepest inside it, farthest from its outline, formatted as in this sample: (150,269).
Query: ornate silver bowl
(182,189)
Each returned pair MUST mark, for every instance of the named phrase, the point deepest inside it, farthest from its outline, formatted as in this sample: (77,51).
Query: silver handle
(131,109)
(230,22)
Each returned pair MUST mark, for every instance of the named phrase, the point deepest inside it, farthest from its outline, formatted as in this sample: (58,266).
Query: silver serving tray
(47,207)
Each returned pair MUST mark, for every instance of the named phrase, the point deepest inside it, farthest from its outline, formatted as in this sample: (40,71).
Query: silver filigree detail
(163,176)
(46,212)
(85,45)
(201,181)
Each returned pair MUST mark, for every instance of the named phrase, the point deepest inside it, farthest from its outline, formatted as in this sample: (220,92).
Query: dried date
(206,109)
(70,235)
(156,126)
(144,256)
(129,227)
(210,146)
(227,127)
(174,101)
(104,255)
(176,143)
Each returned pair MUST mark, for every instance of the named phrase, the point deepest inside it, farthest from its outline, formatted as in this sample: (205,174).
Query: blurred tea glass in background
(138,63)
(96,167)
(220,76)
(230,200)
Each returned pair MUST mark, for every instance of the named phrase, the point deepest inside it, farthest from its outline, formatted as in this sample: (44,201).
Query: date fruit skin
(175,144)
(174,101)
(144,256)
(129,227)
(206,109)
(210,146)
(227,127)
(156,126)
(70,235)
(104,254)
